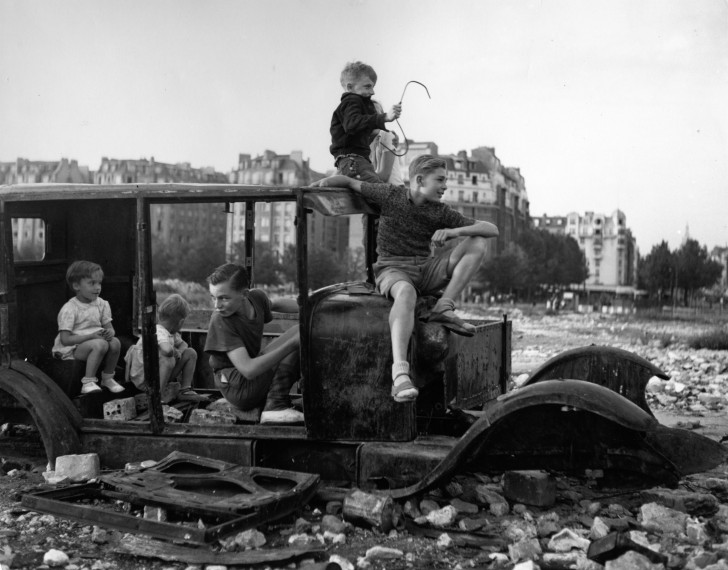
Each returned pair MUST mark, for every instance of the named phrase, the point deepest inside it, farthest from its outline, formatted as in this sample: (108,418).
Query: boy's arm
(339,181)
(252,367)
(70,339)
(354,120)
(166,349)
(481,229)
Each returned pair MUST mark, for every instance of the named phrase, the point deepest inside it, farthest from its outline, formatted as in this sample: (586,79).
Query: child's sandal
(404,391)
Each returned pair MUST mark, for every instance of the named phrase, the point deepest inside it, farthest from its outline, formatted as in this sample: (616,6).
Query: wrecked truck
(583,409)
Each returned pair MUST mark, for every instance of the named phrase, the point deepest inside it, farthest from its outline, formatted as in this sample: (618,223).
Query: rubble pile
(698,382)
(519,519)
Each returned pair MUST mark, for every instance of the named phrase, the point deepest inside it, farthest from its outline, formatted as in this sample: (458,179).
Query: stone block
(123,409)
(524,550)
(536,488)
(171,414)
(663,520)
(77,468)
(696,504)
(141,401)
(200,417)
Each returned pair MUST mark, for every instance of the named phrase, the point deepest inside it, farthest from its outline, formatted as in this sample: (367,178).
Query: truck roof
(328,201)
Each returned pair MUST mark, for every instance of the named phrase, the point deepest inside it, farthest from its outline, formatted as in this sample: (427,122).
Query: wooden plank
(150,548)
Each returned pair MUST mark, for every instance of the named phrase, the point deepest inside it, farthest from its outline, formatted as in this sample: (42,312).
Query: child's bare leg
(92,352)
(401,325)
(186,366)
(464,261)
(110,360)
(167,365)
(112,356)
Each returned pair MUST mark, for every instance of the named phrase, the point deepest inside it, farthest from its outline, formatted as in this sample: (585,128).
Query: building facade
(608,245)
(275,222)
(171,223)
(24,171)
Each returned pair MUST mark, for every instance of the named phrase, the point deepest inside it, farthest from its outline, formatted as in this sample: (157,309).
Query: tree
(266,266)
(695,269)
(656,271)
(190,261)
(507,271)
(324,268)
(553,261)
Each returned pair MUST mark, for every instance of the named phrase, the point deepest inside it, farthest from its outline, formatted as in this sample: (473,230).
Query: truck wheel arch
(56,418)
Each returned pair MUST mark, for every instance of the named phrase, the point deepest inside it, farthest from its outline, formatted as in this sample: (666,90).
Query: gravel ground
(695,398)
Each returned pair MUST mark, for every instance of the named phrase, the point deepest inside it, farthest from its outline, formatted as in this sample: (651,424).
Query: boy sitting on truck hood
(413,219)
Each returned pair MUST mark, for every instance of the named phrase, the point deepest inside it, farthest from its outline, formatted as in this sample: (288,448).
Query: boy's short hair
(174,307)
(82,269)
(232,272)
(354,70)
(425,164)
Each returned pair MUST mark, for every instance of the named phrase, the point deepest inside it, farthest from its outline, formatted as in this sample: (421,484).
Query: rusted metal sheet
(333,461)
(155,191)
(56,422)
(619,370)
(347,394)
(224,496)
(384,465)
(117,449)
(336,201)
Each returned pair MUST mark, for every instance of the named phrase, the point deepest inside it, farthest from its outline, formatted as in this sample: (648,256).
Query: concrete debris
(632,560)
(662,520)
(696,504)
(78,468)
(55,558)
(526,549)
(567,539)
(443,517)
(535,488)
(383,553)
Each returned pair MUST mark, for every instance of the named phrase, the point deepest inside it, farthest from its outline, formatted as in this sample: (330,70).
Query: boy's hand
(441,236)
(394,113)
(336,181)
(107,334)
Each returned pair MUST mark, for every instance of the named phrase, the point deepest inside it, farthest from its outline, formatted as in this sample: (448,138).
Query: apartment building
(24,171)
(171,223)
(29,233)
(607,243)
(275,221)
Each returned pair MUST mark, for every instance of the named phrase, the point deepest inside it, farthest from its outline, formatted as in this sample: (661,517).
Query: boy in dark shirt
(411,220)
(355,121)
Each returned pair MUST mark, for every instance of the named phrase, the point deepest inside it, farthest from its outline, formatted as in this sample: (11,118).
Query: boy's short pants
(355,166)
(427,274)
(240,391)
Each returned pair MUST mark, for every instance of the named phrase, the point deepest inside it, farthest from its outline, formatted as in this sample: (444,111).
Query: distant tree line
(195,260)
(537,263)
(678,274)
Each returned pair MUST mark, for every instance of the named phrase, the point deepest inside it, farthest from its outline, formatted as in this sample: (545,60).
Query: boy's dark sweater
(352,124)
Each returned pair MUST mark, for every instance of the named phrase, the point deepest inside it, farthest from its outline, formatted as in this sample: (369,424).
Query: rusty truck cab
(345,347)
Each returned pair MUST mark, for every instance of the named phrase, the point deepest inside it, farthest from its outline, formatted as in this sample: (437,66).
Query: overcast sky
(602,104)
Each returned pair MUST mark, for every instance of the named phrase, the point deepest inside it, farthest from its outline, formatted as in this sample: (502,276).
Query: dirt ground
(25,536)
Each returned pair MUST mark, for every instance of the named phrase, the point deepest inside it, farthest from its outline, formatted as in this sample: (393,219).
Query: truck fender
(56,418)
(670,451)
(619,370)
